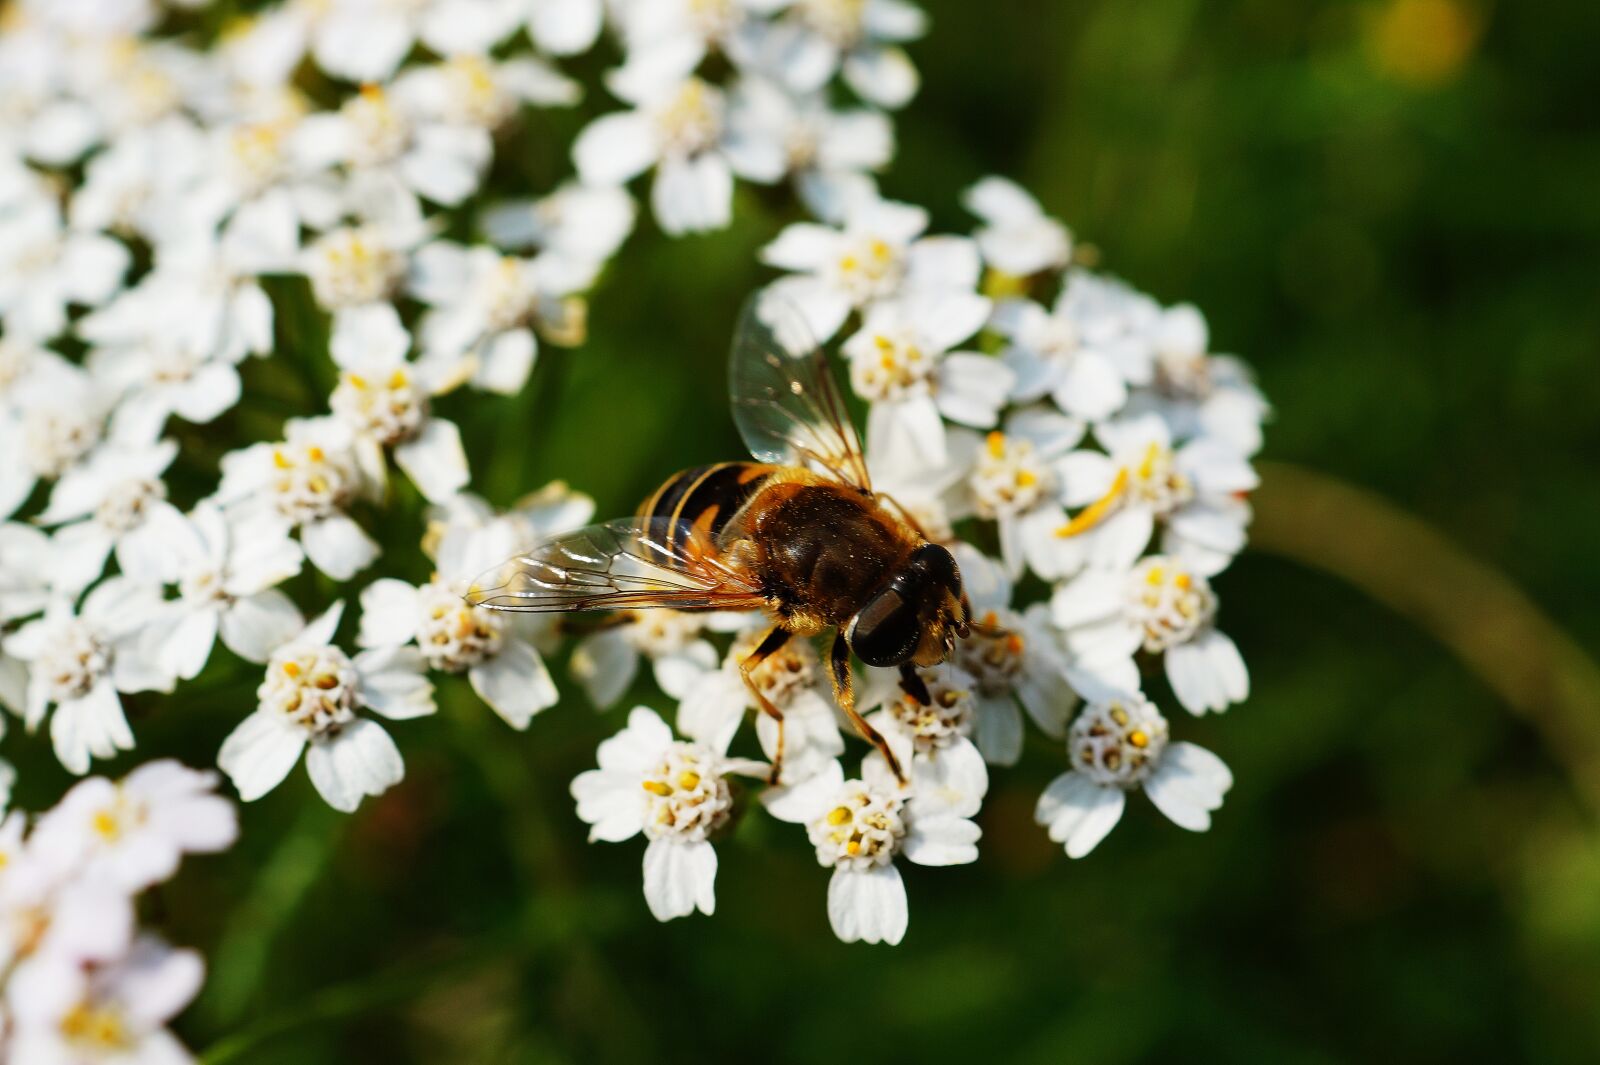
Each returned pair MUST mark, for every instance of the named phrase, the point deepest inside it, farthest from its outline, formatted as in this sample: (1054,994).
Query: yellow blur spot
(316,454)
(853,847)
(291,669)
(107,826)
(688,780)
(996,442)
(1422,42)
(838,815)
(398,379)
(280,460)
(658,787)
(1138,739)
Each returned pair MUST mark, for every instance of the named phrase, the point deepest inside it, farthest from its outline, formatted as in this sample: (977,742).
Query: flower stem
(1476,612)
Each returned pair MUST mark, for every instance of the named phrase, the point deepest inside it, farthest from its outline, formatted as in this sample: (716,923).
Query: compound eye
(886,630)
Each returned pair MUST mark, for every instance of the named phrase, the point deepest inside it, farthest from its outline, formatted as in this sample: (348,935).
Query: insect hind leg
(844,694)
(775,638)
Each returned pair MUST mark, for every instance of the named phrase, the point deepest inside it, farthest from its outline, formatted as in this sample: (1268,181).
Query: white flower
(1160,606)
(605,662)
(932,741)
(1018,238)
(1015,479)
(366,40)
(487,307)
(132,834)
(679,126)
(114,499)
(1121,743)
(676,794)
(79,662)
(497,651)
(225,572)
(472,90)
(864,36)
(384,399)
(1200,394)
(25,563)
(901,362)
(858,827)
(714,704)
(44,267)
(582,225)
(308,480)
(310,699)
(128,188)
(355,266)
(873,254)
(52,416)
(1051,357)
(1195,491)
(376,135)
(1012,657)
(819,143)
(117,1012)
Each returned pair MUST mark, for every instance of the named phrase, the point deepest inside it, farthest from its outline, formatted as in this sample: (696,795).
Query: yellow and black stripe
(705,498)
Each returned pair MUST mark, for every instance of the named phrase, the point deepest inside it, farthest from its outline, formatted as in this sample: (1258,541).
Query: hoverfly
(798,534)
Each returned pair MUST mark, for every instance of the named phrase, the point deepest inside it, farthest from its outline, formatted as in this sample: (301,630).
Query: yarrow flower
(676,794)
(310,703)
(1119,744)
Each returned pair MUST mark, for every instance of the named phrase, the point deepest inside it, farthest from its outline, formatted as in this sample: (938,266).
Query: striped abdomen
(705,498)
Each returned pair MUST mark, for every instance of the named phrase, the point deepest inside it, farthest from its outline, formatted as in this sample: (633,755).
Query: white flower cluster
(162,197)
(1079,430)
(81,981)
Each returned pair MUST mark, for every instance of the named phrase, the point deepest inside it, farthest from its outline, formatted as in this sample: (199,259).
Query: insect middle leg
(775,638)
(844,693)
(912,684)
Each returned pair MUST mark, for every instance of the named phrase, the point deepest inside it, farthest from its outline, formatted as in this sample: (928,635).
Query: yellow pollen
(880,251)
(1026,479)
(848,263)
(398,379)
(1183,580)
(1156,575)
(1138,739)
(1095,512)
(280,460)
(688,780)
(887,360)
(1014,644)
(315,453)
(326,681)
(372,92)
(853,847)
(838,815)
(291,669)
(658,787)
(318,484)
(1147,467)
(996,442)
(356,380)
(98,1027)
(107,825)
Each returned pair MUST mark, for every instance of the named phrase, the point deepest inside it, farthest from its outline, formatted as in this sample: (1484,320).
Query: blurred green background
(1390,207)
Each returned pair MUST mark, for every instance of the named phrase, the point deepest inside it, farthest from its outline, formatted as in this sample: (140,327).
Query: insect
(798,534)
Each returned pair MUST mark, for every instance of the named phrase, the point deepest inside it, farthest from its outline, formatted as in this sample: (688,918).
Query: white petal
(255,626)
(369,336)
(260,752)
(1078,812)
(388,613)
(394,682)
(942,841)
(883,76)
(184,650)
(515,683)
(1091,387)
(92,725)
(1188,785)
(614,148)
(637,747)
(435,460)
(611,802)
(337,546)
(679,878)
(565,27)
(361,760)
(692,195)
(973,388)
(868,906)
(999,729)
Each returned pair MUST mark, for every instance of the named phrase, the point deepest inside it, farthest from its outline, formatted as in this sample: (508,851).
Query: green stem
(1482,617)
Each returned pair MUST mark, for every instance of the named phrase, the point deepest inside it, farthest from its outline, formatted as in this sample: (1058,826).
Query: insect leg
(912,684)
(844,693)
(775,638)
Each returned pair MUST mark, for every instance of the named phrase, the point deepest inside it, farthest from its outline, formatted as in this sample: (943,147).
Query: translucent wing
(628,564)
(786,402)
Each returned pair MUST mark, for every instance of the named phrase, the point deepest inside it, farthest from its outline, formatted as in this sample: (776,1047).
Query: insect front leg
(912,684)
(775,638)
(844,693)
